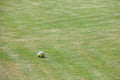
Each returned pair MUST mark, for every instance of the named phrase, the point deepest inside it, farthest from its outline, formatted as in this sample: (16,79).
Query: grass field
(81,39)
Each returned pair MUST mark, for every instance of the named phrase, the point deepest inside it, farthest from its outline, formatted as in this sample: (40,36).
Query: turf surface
(80,38)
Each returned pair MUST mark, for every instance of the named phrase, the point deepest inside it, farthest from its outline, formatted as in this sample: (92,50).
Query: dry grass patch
(12,71)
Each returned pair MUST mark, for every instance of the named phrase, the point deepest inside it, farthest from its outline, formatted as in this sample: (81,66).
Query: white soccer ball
(41,54)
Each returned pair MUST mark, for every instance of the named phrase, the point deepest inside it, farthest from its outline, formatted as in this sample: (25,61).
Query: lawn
(81,39)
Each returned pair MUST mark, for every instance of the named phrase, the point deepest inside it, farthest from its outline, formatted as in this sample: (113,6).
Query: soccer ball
(41,54)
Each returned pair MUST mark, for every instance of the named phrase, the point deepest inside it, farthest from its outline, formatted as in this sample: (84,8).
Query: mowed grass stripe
(53,17)
(23,48)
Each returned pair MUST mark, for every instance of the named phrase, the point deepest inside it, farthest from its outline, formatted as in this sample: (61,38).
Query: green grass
(80,38)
